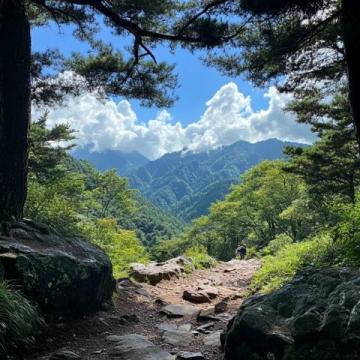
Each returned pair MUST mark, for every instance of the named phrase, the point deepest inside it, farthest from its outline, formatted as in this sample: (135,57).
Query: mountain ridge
(186,183)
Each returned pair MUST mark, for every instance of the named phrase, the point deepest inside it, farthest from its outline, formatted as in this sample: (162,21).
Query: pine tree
(25,76)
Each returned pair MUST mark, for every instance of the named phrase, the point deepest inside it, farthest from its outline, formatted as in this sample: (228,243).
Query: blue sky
(212,110)
(198,83)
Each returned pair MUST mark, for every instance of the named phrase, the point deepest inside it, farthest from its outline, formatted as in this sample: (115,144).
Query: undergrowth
(19,322)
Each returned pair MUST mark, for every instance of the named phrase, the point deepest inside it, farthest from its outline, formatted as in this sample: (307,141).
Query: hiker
(241,251)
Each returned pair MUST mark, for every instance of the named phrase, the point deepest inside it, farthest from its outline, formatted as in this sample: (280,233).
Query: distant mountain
(123,162)
(186,183)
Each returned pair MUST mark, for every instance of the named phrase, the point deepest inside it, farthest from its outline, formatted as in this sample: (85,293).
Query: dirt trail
(137,311)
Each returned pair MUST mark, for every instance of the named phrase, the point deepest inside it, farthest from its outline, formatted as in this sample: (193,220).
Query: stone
(66,277)
(314,316)
(179,310)
(221,307)
(213,339)
(177,335)
(138,347)
(205,328)
(211,291)
(155,272)
(196,296)
(187,355)
(64,355)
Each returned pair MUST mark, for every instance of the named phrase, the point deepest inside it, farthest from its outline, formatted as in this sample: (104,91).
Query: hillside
(123,162)
(187,183)
(150,222)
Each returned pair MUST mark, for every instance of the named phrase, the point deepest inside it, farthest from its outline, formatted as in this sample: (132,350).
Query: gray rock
(177,335)
(186,355)
(315,316)
(64,355)
(138,347)
(66,277)
(155,272)
(179,310)
(196,296)
(213,339)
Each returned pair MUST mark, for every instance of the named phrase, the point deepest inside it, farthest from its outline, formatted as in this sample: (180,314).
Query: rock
(66,277)
(155,272)
(186,355)
(176,335)
(315,316)
(211,292)
(196,296)
(209,314)
(221,307)
(179,310)
(138,347)
(213,339)
(205,328)
(64,355)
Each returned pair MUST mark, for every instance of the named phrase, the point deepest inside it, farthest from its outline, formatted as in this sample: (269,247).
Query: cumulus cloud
(228,117)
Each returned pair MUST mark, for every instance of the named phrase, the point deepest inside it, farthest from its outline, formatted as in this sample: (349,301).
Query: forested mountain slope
(186,183)
(123,162)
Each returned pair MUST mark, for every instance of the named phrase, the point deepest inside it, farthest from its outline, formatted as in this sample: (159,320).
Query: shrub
(19,321)
(122,246)
(277,244)
(200,258)
(279,268)
(168,249)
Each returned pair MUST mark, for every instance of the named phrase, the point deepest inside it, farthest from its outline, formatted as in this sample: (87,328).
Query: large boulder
(66,277)
(315,316)
(155,272)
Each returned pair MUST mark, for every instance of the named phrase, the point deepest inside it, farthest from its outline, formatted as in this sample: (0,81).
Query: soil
(136,310)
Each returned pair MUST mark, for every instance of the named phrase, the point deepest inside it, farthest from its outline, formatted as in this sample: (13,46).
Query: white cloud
(228,118)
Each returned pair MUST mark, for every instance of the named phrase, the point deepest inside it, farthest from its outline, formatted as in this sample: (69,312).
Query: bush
(168,249)
(19,321)
(55,204)
(279,268)
(200,258)
(277,244)
(122,246)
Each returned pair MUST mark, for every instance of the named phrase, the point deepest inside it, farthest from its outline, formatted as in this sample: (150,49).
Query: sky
(213,110)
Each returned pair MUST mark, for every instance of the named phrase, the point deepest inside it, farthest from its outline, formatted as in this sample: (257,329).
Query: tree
(332,165)
(25,76)
(305,45)
(48,149)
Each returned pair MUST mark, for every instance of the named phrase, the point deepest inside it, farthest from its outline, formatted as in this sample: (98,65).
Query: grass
(200,258)
(281,267)
(19,321)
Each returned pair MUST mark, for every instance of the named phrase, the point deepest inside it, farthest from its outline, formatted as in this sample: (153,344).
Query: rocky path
(180,318)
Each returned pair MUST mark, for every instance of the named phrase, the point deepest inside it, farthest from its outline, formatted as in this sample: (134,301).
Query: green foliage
(57,203)
(19,322)
(268,202)
(346,232)
(277,244)
(122,246)
(48,149)
(200,258)
(331,166)
(167,249)
(279,268)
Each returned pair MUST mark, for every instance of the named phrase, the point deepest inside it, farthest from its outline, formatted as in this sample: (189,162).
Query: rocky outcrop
(315,316)
(155,272)
(66,277)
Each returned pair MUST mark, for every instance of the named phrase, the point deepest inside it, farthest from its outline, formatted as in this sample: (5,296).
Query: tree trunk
(15,58)
(351,35)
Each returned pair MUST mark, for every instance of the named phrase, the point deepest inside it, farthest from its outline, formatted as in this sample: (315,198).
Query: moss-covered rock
(315,316)
(66,277)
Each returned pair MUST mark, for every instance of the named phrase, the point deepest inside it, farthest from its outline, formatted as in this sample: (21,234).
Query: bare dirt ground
(137,311)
